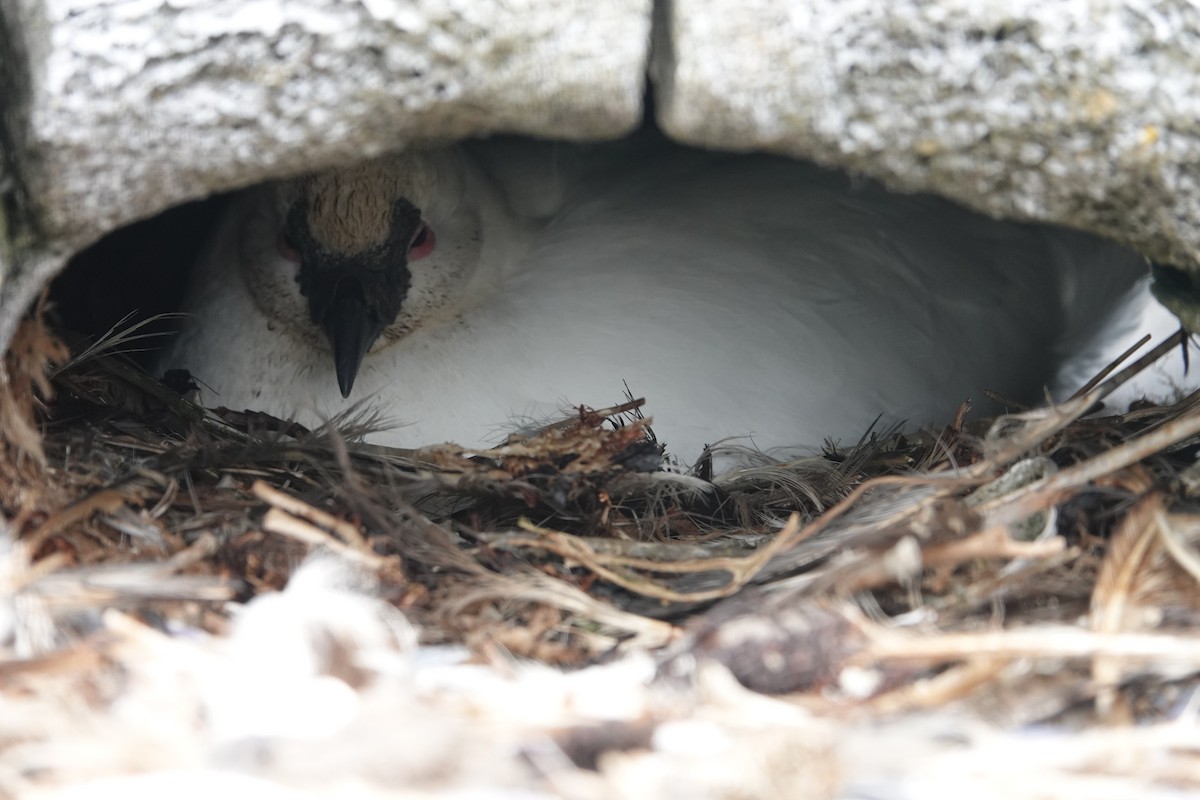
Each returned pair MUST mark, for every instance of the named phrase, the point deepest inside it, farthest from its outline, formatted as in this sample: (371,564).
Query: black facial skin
(353,297)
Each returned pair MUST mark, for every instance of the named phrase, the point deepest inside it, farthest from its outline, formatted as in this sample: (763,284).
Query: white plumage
(742,295)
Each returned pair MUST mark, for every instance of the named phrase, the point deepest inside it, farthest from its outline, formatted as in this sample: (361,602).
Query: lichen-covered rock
(1085,114)
(138,105)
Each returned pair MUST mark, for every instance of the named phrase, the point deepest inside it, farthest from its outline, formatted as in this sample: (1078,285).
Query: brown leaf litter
(890,618)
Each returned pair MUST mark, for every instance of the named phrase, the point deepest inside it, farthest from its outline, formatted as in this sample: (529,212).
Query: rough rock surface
(133,102)
(1080,113)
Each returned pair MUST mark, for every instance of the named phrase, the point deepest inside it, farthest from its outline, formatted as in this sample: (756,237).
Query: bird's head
(372,249)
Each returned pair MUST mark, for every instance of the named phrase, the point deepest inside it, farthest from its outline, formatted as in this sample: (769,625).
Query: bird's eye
(422,242)
(285,248)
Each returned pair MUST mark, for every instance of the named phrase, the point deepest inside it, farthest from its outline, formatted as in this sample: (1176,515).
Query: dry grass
(887,619)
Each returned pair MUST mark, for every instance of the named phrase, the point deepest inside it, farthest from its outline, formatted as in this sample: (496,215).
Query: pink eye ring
(422,242)
(285,249)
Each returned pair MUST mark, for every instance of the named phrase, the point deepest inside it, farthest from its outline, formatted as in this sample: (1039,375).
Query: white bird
(467,289)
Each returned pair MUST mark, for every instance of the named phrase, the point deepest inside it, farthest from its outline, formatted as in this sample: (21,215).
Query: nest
(237,596)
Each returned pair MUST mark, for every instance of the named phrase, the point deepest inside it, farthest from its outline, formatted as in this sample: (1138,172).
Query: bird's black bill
(354,295)
(352,329)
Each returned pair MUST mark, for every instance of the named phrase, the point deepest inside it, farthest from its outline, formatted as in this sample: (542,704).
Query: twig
(1170,536)
(532,586)
(205,545)
(741,570)
(279,521)
(1108,370)
(1066,413)
(991,542)
(1044,493)
(939,690)
(1127,558)
(1046,642)
(349,533)
(107,501)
